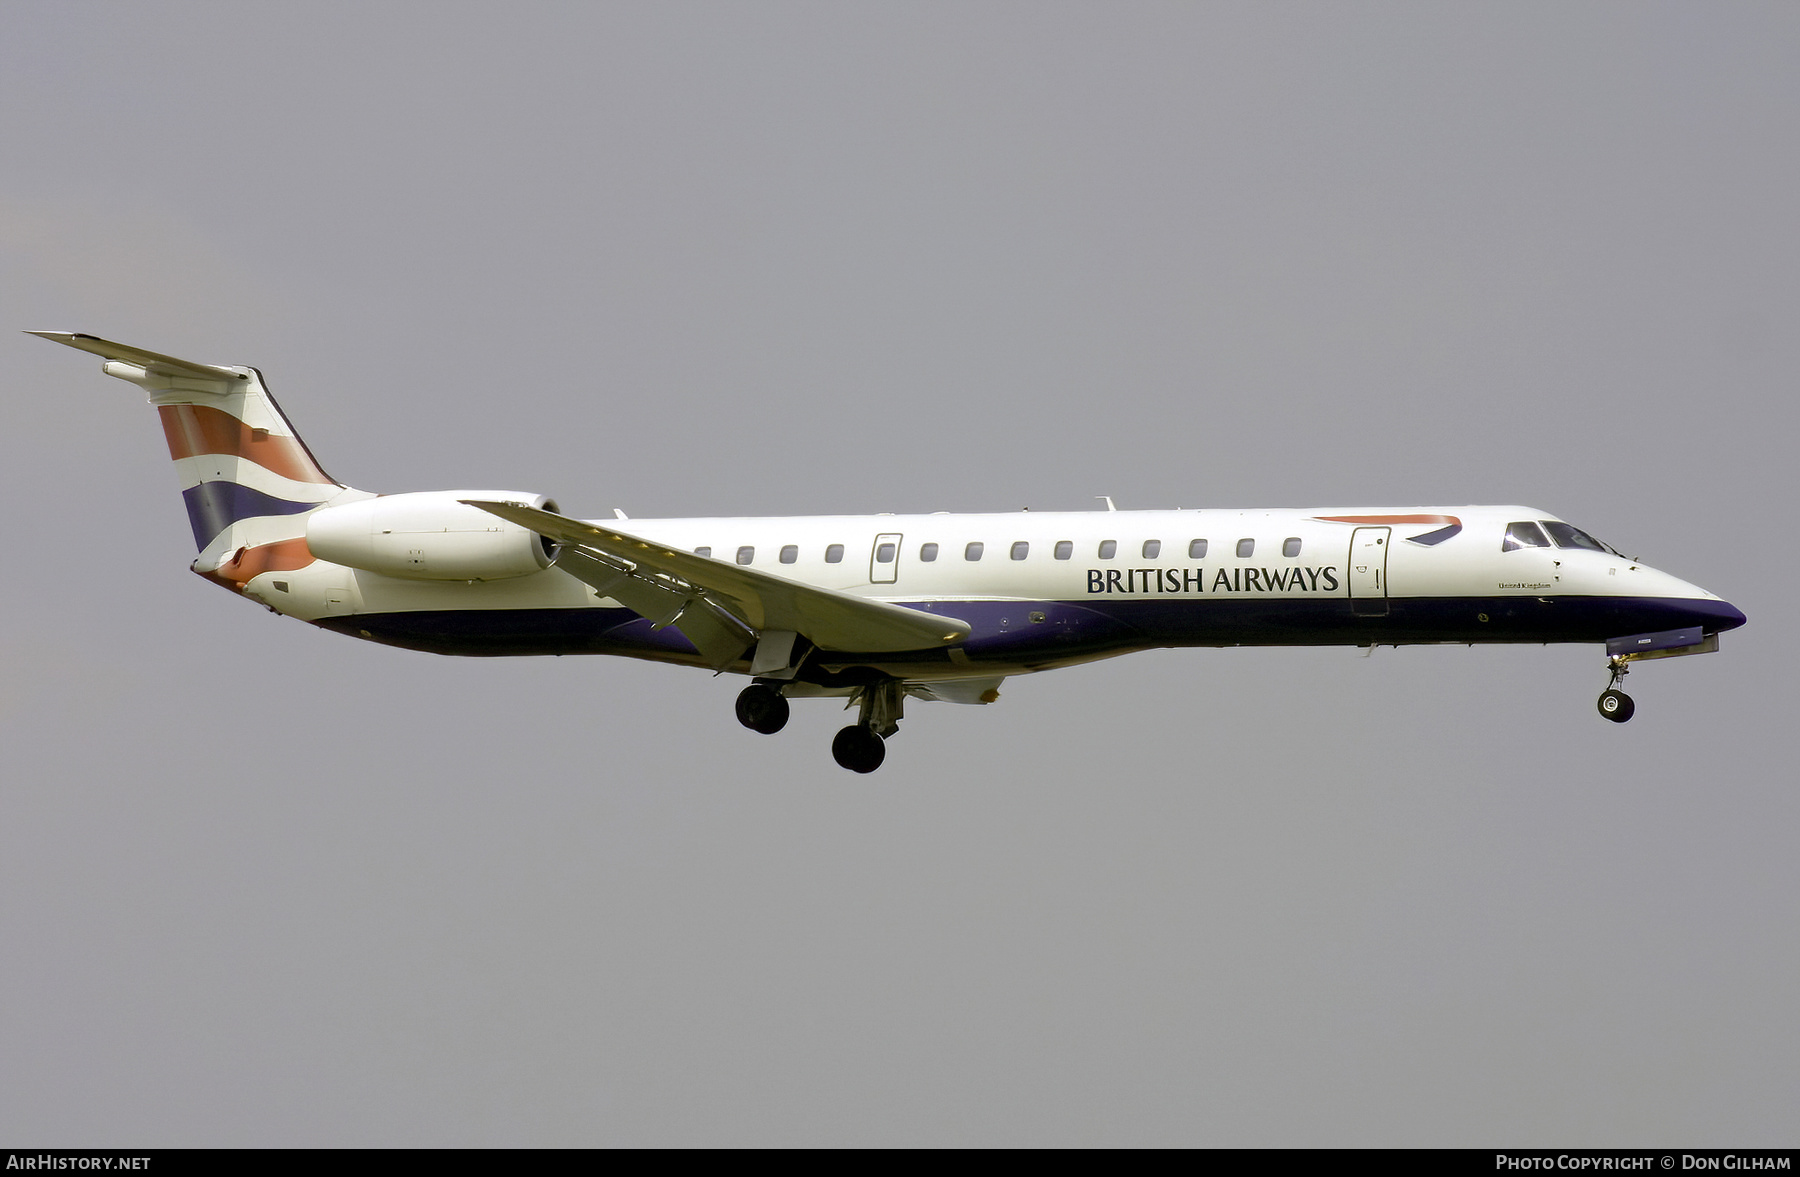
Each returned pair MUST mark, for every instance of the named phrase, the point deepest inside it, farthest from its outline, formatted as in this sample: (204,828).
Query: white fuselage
(1110,581)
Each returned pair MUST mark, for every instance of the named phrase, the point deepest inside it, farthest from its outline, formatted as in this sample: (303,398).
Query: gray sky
(261,885)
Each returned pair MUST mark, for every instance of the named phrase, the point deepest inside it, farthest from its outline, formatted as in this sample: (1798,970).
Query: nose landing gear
(1615,704)
(1623,651)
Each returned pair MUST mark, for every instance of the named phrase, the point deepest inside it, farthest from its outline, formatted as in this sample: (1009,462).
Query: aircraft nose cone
(1730,616)
(1716,616)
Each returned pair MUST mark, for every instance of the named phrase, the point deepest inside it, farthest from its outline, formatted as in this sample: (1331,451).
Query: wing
(722,607)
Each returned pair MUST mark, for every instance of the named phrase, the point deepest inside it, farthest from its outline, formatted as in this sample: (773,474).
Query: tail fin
(246,476)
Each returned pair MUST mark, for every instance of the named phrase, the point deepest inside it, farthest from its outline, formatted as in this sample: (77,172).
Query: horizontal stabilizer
(830,619)
(153,362)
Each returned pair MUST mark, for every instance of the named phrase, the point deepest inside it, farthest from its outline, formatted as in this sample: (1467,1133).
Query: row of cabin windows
(834,553)
(1064,550)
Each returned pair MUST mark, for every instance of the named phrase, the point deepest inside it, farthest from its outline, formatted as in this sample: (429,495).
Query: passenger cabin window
(745,555)
(1020,550)
(973,551)
(1290,546)
(789,553)
(927,553)
(1196,549)
(1572,537)
(1152,549)
(1109,548)
(834,554)
(1523,535)
(884,553)
(1064,549)
(1246,549)
(703,552)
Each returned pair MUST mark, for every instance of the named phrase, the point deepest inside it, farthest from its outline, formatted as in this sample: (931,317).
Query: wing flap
(957,690)
(757,600)
(719,638)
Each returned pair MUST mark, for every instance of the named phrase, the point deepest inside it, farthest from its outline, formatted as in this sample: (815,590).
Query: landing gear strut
(860,747)
(762,708)
(1615,704)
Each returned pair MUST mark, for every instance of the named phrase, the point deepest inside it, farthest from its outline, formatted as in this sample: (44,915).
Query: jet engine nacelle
(430,535)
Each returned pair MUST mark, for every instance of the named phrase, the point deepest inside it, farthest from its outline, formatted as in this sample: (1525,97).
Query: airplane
(875,609)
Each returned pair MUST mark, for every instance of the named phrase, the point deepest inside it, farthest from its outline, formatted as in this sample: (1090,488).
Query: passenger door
(1368,570)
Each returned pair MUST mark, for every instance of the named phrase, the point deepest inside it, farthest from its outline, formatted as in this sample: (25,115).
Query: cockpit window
(1523,535)
(1572,537)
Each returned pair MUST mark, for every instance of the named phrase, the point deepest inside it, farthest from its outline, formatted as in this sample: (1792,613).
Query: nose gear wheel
(1615,704)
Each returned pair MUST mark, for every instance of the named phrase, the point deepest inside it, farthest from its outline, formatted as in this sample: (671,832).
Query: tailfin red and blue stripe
(246,476)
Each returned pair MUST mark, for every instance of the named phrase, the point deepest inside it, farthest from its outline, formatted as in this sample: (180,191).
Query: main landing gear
(1615,704)
(762,708)
(861,747)
(858,748)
